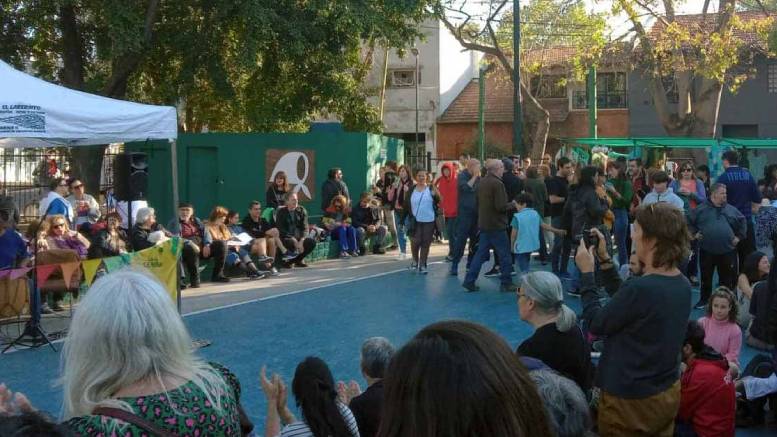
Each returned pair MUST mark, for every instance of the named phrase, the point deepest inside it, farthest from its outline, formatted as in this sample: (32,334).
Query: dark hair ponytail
(314,390)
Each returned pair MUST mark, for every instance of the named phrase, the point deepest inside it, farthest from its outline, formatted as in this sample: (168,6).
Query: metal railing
(25,175)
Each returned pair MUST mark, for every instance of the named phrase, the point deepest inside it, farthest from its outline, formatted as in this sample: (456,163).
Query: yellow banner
(162,261)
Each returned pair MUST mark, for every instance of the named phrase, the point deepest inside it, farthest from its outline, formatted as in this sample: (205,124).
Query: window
(611,92)
(772,78)
(549,86)
(404,78)
(670,85)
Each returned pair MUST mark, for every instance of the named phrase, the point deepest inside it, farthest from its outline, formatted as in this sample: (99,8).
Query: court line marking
(304,290)
(260,299)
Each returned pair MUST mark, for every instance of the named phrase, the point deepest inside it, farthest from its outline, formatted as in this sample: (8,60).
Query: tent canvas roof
(677,142)
(36,113)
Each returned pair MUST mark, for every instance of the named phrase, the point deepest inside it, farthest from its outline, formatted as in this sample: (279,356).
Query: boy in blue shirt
(525,233)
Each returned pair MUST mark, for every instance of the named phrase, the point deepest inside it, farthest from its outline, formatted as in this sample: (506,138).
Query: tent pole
(174,170)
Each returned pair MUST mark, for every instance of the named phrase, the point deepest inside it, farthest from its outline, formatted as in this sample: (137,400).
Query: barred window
(772,78)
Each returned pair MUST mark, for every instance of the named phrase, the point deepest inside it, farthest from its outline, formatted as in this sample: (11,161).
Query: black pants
(308,244)
(378,237)
(746,246)
(190,260)
(421,241)
(727,266)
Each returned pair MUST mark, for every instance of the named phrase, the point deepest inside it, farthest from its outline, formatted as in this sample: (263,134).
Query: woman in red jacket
(446,185)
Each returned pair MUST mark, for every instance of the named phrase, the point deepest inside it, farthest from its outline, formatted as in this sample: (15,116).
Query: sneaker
(453,272)
(401,256)
(422,270)
(448,259)
(379,251)
(344,255)
(289,255)
(700,305)
(57,308)
(353,253)
(263,259)
(413,266)
(493,272)
(46,309)
(257,275)
(195,284)
(273,272)
(470,286)
(508,288)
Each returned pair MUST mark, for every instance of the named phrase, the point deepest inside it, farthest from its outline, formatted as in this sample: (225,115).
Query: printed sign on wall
(300,169)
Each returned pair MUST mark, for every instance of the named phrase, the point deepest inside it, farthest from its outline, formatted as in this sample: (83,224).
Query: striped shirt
(301,429)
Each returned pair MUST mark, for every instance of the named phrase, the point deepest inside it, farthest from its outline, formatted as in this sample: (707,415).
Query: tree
(239,65)
(545,24)
(692,59)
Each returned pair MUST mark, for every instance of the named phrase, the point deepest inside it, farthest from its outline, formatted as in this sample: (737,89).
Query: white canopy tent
(36,113)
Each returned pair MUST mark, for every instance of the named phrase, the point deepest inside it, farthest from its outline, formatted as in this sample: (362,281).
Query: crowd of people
(630,241)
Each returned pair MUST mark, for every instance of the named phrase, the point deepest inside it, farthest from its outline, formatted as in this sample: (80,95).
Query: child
(721,331)
(525,234)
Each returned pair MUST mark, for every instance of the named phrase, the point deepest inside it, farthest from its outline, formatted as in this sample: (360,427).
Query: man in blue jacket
(718,227)
(467,215)
(743,194)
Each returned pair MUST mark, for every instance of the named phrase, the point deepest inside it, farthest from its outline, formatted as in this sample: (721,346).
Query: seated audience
(31,424)
(458,378)
(292,224)
(707,398)
(333,186)
(264,262)
(192,230)
(146,232)
(365,218)
(276,193)
(85,207)
(763,307)
(13,249)
(642,324)
(557,340)
(111,241)
(721,331)
(766,228)
(60,236)
(337,221)
(158,383)
(216,230)
(755,269)
(565,404)
(757,386)
(376,354)
(315,394)
(55,203)
(266,237)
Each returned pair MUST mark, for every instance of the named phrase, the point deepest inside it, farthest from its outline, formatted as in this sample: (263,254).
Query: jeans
(346,235)
(621,229)
(543,247)
(450,233)
(562,247)
(523,260)
(501,244)
(728,270)
(401,242)
(466,229)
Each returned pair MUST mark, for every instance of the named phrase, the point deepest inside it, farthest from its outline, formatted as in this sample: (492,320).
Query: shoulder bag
(133,419)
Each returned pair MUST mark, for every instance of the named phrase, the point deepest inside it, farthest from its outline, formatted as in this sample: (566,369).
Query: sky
(619,25)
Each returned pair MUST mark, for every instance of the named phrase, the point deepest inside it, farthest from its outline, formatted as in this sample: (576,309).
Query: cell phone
(589,238)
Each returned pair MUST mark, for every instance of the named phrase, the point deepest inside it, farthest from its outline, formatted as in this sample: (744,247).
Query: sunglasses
(77,186)
(58,225)
(687,169)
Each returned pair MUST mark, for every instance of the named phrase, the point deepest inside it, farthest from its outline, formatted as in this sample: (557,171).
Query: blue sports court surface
(330,322)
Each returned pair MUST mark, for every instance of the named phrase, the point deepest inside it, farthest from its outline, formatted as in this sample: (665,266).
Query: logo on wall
(300,169)
(22,118)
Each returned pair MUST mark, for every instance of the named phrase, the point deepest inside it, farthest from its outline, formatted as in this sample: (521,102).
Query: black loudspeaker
(130,176)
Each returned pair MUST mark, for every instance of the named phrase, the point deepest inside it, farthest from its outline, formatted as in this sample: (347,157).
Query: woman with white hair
(128,367)
(147,232)
(557,340)
(565,404)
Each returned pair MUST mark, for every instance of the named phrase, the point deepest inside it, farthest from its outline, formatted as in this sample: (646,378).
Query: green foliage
(238,65)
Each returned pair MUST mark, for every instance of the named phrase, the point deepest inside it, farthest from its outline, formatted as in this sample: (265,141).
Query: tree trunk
(86,164)
(537,123)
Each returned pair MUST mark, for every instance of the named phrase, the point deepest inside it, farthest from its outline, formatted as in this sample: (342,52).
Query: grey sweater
(718,226)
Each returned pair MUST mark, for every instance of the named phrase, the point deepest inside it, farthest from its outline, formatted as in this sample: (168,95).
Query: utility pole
(591,91)
(482,113)
(518,148)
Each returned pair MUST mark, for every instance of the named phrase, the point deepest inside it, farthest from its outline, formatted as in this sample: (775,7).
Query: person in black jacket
(643,324)
(144,226)
(276,192)
(111,241)
(365,218)
(585,207)
(376,354)
(292,222)
(332,187)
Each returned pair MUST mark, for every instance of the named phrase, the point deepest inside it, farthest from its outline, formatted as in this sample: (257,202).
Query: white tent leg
(174,170)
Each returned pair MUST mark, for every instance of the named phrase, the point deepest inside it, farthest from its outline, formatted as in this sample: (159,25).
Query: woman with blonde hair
(128,367)
(217,230)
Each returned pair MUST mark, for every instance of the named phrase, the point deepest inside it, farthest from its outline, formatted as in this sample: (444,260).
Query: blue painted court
(330,322)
